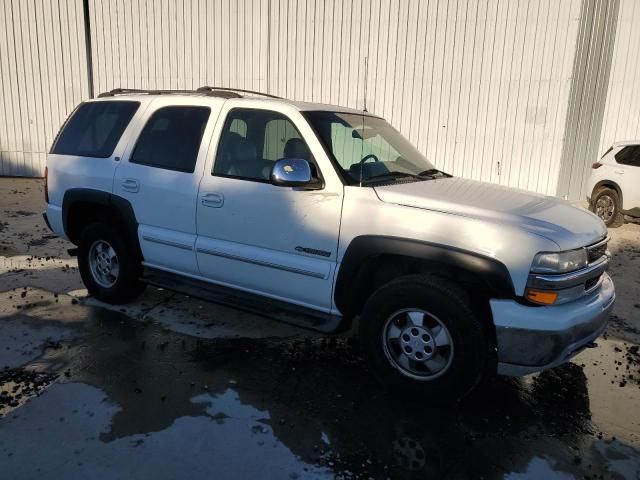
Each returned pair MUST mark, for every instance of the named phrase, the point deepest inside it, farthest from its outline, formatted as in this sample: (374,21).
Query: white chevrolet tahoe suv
(318,215)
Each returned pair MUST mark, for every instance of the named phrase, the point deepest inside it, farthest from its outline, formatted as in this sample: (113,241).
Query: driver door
(276,241)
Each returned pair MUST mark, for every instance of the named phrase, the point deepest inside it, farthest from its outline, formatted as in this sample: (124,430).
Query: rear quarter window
(629,156)
(95,128)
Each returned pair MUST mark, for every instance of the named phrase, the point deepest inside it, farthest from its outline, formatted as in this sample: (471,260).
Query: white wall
(622,112)
(480,86)
(42,78)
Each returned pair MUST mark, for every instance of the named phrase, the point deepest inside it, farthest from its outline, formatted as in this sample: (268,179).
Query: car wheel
(606,205)
(108,266)
(420,335)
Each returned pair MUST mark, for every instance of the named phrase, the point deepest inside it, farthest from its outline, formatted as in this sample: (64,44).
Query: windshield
(367,149)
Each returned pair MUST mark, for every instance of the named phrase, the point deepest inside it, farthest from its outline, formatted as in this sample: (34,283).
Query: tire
(122,284)
(606,204)
(446,305)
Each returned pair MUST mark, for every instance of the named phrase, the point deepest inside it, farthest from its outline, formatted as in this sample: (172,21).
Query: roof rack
(223,92)
(241,90)
(125,91)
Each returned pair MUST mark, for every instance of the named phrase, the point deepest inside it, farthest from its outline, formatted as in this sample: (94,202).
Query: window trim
(72,114)
(171,169)
(259,180)
(236,177)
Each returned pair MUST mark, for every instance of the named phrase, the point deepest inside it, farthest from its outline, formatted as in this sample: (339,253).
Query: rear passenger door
(159,175)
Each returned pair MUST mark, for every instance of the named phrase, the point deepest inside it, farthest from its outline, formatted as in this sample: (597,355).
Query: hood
(559,221)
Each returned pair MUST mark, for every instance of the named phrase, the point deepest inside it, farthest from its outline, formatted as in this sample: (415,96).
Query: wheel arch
(81,206)
(608,184)
(371,261)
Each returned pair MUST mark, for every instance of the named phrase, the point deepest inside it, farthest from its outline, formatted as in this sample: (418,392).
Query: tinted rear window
(171,138)
(95,128)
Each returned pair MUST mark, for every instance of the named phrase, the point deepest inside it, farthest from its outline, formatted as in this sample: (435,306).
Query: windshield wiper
(392,174)
(433,173)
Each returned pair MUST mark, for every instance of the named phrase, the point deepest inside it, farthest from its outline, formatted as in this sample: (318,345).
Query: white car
(614,184)
(319,215)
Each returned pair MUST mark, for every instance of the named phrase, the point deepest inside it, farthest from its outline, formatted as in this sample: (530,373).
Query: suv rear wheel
(606,204)
(108,266)
(420,334)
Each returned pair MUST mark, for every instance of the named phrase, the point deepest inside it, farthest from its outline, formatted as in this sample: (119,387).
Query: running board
(250,302)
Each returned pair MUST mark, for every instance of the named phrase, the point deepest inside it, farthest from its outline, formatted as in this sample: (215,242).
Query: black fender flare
(367,248)
(120,207)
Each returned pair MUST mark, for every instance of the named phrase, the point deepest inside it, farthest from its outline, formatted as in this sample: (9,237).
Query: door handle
(130,185)
(214,200)
(620,171)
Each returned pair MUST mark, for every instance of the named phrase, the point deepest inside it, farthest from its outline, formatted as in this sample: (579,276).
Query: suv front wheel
(108,266)
(420,335)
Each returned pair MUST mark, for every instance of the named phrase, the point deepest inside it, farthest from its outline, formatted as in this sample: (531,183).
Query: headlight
(560,262)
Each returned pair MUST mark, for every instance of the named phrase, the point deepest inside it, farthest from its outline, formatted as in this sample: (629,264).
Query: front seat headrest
(296,148)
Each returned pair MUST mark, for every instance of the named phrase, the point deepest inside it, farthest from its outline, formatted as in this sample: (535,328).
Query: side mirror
(293,172)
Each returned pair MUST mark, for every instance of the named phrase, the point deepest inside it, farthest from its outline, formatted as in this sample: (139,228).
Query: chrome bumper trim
(532,339)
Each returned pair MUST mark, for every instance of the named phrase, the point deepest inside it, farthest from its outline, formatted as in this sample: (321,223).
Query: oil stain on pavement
(92,393)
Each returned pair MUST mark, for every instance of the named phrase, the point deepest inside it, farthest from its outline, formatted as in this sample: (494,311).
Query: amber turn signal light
(542,297)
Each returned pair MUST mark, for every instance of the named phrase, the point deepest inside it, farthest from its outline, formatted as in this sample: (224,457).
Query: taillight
(596,165)
(46,184)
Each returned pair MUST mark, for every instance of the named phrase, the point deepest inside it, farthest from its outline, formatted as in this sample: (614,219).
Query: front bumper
(531,339)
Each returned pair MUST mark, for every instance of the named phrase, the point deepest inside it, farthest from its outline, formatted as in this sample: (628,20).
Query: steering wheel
(371,156)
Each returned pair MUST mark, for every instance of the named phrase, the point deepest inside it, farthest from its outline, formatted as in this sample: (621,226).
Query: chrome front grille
(597,250)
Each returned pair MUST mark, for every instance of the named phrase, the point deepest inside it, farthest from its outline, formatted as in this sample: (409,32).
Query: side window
(629,156)
(252,140)
(171,138)
(95,129)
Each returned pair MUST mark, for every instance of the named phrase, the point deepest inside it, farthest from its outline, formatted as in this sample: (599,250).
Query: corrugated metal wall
(42,77)
(481,86)
(598,22)
(622,112)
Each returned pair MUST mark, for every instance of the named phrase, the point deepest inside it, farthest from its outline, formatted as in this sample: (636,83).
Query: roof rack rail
(228,89)
(225,93)
(123,91)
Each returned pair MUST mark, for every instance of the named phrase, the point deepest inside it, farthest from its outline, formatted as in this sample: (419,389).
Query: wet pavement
(89,392)
(170,387)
